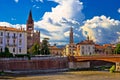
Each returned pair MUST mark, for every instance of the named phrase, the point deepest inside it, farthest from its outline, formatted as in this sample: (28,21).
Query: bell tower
(71,35)
(30,23)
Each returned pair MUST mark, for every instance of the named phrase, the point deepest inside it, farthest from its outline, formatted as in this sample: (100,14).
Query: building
(32,35)
(99,49)
(14,39)
(70,49)
(55,51)
(104,49)
(86,47)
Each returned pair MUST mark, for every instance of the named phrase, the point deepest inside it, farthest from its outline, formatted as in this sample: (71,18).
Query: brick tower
(32,37)
(30,23)
(71,35)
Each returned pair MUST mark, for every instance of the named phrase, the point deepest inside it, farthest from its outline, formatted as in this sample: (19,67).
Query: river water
(71,75)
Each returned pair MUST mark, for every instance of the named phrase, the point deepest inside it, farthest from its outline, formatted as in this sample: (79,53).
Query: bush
(3,54)
(112,69)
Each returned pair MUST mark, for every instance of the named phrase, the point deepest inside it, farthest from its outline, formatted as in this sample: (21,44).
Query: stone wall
(41,63)
(79,65)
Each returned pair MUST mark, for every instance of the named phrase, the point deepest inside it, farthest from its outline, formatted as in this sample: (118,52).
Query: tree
(6,53)
(6,50)
(112,69)
(44,47)
(117,49)
(35,49)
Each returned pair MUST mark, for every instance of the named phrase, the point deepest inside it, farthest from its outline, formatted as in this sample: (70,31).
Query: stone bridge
(108,58)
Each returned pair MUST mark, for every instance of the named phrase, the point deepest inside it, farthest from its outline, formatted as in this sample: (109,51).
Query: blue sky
(100,19)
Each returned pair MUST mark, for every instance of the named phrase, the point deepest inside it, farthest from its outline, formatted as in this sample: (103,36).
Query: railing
(7,36)
(14,37)
(13,45)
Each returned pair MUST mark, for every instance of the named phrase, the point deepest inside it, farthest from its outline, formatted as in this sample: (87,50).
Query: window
(7,34)
(7,41)
(14,41)
(20,50)
(1,42)
(20,35)
(1,34)
(13,49)
(82,53)
(20,42)
(82,47)
(90,53)
(14,34)
(89,47)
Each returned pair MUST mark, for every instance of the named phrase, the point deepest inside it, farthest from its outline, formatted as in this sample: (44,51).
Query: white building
(14,39)
(86,47)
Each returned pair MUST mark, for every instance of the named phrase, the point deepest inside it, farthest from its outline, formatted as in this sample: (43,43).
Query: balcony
(8,45)
(7,36)
(14,45)
(11,45)
(14,37)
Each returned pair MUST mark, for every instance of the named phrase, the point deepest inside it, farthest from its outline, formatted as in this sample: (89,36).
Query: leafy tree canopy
(35,49)
(117,49)
(44,47)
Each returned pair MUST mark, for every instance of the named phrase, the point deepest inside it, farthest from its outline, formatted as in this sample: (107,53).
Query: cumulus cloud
(11,25)
(58,22)
(16,1)
(102,29)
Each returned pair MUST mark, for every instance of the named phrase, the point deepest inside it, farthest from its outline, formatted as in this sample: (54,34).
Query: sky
(98,19)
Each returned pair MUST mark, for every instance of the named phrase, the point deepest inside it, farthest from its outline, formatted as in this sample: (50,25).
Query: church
(32,35)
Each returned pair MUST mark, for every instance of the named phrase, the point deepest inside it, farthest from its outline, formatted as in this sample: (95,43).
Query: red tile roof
(11,29)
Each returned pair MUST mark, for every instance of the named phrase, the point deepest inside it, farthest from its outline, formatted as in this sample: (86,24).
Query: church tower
(30,23)
(32,36)
(71,35)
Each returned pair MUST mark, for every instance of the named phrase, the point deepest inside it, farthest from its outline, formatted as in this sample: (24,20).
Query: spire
(71,35)
(30,20)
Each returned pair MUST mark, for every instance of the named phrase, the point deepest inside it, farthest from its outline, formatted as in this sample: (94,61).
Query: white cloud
(67,33)
(119,10)
(11,25)
(60,19)
(56,24)
(102,29)
(16,1)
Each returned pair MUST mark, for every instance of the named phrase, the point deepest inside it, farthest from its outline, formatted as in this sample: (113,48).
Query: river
(71,75)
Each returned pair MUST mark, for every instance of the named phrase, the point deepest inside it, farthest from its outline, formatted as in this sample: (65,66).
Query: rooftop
(5,28)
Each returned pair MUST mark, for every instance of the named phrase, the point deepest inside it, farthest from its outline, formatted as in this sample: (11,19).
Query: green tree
(6,50)
(6,53)
(44,47)
(112,69)
(117,49)
(35,49)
